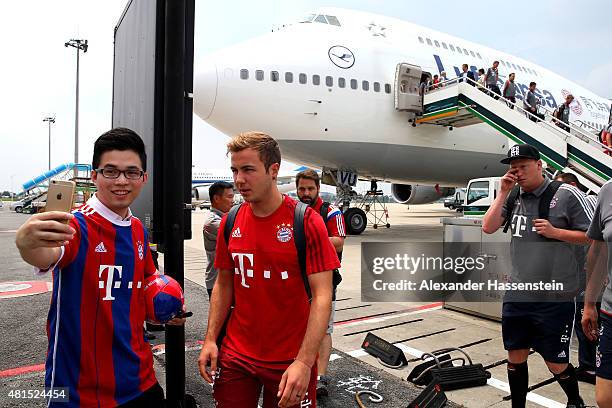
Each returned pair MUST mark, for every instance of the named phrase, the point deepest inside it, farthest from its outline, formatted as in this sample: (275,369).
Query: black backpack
(336,276)
(543,205)
(299,236)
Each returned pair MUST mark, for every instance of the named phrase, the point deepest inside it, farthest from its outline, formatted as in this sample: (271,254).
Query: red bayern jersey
(95,324)
(270,315)
(334,220)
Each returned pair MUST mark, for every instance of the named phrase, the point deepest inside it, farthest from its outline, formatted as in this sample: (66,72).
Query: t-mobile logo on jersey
(110,276)
(243,269)
(112,283)
(519,223)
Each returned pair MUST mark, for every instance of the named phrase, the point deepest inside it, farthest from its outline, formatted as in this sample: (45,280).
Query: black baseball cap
(523,151)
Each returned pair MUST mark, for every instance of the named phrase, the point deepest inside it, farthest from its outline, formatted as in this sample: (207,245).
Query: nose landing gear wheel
(355,220)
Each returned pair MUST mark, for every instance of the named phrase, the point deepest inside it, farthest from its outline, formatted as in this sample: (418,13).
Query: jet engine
(419,194)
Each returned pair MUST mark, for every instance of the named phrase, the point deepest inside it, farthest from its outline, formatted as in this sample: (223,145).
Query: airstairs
(460,104)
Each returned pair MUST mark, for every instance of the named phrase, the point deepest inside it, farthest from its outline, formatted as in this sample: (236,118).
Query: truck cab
(479,195)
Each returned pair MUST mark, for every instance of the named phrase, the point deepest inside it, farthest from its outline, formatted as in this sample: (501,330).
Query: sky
(571,38)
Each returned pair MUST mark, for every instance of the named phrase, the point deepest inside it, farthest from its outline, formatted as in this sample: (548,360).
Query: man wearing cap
(541,250)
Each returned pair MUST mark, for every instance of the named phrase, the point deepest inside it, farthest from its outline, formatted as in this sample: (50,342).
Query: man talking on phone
(541,249)
(99,261)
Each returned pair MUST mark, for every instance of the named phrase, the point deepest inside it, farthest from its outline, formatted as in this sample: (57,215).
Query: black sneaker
(322,384)
(580,404)
(585,376)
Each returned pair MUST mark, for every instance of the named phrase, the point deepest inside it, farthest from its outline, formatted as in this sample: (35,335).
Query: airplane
(324,87)
(202,179)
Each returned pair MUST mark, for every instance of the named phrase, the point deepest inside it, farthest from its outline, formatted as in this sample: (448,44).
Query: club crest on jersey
(553,202)
(284,232)
(140,250)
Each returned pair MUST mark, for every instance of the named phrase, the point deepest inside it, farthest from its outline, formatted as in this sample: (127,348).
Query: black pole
(173,196)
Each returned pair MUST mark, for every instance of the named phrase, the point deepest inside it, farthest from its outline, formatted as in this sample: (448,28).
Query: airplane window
(302,78)
(244,74)
(452,47)
(329,81)
(514,66)
(321,19)
(459,49)
(376,86)
(288,77)
(316,80)
(353,84)
(274,77)
(444,45)
(421,40)
(429,41)
(478,54)
(466,52)
(365,85)
(472,53)
(259,74)
(341,82)
(388,88)
(437,43)
(333,20)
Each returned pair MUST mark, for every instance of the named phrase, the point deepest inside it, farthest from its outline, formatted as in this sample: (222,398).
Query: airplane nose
(205,89)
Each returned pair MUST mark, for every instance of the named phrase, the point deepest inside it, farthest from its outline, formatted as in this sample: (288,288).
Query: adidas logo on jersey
(562,354)
(101,247)
(236,233)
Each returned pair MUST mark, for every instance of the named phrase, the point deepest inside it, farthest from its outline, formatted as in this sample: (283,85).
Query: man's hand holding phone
(45,230)
(508,180)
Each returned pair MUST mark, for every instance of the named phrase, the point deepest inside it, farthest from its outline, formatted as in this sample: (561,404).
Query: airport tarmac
(414,328)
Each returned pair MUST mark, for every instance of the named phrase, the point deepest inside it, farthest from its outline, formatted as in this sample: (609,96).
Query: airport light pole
(50,120)
(80,45)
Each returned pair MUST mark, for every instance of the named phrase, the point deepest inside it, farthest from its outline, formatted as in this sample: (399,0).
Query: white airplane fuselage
(326,125)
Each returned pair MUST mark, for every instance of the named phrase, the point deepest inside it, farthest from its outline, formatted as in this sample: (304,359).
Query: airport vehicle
(479,195)
(455,202)
(346,100)
(29,204)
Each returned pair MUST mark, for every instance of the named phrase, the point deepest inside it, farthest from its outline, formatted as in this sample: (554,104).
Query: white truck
(455,202)
(479,195)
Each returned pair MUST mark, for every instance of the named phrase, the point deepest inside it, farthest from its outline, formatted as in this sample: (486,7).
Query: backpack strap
(300,242)
(229,222)
(510,202)
(546,198)
(324,210)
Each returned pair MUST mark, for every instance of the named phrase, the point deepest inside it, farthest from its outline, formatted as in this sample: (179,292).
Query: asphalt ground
(23,342)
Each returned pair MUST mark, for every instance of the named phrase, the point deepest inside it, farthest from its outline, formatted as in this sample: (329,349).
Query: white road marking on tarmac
(393,316)
(493,382)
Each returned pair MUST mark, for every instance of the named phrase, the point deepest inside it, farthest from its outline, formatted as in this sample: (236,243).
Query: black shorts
(603,356)
(545,327)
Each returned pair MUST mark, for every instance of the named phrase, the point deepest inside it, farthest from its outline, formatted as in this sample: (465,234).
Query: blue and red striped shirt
(96,346)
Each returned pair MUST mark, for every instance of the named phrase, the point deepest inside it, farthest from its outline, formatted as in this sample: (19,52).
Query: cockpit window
(321,19)
(333,20)
(308,18)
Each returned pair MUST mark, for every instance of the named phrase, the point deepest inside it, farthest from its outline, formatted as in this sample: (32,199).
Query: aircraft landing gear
(355,220)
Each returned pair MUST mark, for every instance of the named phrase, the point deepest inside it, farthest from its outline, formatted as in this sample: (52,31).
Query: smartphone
(60,196)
